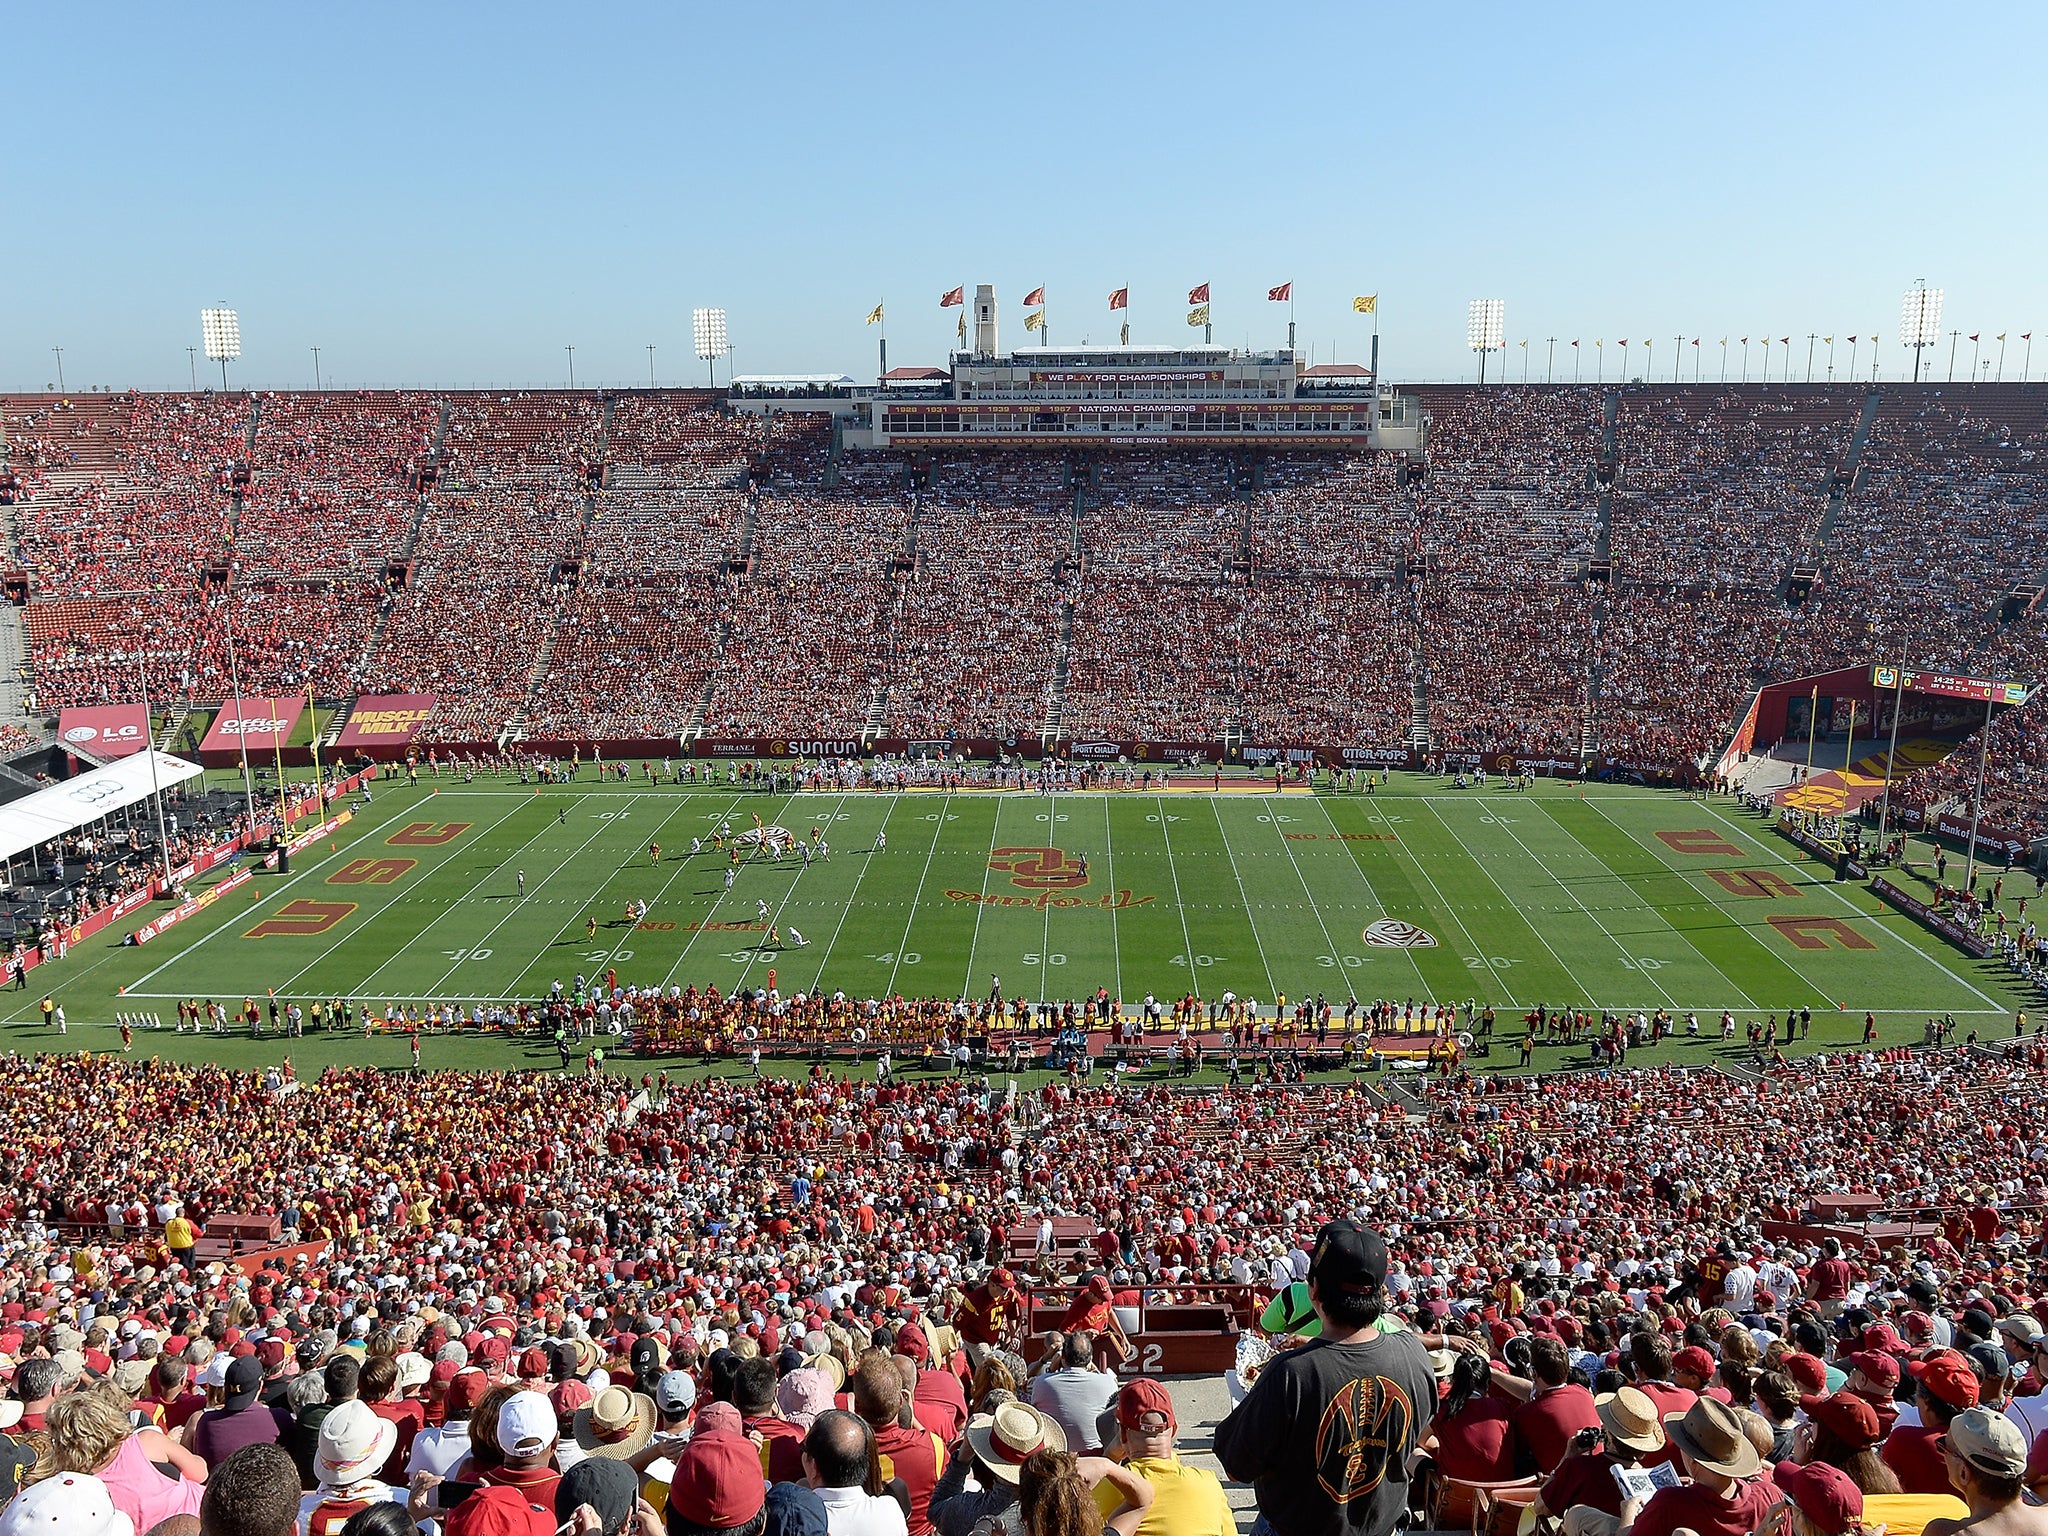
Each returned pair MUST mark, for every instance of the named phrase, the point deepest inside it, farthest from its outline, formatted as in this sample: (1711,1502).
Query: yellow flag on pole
(1199,315)
(874,314)
(1366,304)
(1035,321)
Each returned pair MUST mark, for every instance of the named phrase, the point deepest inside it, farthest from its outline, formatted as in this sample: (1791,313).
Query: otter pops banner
(261,723)
(386,722)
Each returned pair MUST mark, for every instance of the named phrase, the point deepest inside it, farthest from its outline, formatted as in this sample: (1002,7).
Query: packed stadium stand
(1570,571)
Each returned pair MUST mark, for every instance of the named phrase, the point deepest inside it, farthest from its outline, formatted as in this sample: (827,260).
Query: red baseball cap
(1695,1359)
(500,1512)
(1140,1397)
(1826,1495)
(1002,1280)
(1852,1420)
(1947,1376)
(467,1390)
(718,1481)
(1810,1372)
(912,1344)
(1877,1365)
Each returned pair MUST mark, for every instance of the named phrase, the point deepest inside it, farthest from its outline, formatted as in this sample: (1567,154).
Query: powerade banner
(388,721)
(259,723)
(105,730)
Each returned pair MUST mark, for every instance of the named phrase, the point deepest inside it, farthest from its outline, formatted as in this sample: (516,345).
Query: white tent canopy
(34,819)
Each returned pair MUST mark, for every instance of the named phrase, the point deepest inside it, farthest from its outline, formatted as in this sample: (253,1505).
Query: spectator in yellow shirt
(1186,1501)
(180,1237)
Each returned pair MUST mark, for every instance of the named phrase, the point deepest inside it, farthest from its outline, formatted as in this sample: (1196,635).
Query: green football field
(1609,897)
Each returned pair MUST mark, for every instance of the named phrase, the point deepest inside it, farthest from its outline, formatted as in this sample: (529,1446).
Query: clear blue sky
(449,194)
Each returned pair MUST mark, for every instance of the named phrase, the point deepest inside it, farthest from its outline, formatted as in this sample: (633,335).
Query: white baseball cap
(69,1504)
(526,1424)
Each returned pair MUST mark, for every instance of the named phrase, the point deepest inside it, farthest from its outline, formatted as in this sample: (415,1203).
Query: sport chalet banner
(258,722)
(385,721)
(104,730)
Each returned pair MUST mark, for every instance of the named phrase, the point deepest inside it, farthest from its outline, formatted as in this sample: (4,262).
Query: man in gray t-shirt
(1076,1394)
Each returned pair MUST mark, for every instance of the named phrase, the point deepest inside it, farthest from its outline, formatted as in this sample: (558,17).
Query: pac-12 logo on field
(1392,933)
(1039,869)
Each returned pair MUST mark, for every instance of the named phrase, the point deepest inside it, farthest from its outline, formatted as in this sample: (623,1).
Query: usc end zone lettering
(1700,842)
(370,871)
(1752,882)
(427,834)
(1814,932)
(301,919)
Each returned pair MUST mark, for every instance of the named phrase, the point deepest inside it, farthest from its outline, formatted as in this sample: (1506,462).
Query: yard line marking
(1116,948)
(494,872)
(1336,956)
(825,959)
(1651,906)
(1403,851)
(938,832)
(1508,828)
(987,868)
(291,881)
(1855,911)
(1173,869)
(1245,901)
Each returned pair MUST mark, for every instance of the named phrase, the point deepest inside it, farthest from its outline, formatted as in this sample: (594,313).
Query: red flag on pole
(1121,299)
(953,296)
(1973,335)
(1852,341)
(1283,293)
(1199,294)
(1784,341)
(1035,297)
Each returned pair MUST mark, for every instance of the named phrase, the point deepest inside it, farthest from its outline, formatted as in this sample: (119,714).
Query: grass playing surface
(1617,898)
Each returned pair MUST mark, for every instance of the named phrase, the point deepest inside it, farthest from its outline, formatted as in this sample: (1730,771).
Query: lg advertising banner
(260,723)
(105,730)
(385,722)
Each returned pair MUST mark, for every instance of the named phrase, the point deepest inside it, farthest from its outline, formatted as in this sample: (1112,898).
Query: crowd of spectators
(1298,596)
(487,1284)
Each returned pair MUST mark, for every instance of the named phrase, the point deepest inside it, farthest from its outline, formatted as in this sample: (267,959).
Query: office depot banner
(105,730)
(385,722)
(260,724)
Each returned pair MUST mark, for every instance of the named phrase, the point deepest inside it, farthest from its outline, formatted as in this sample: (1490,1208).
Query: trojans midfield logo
(1039,869)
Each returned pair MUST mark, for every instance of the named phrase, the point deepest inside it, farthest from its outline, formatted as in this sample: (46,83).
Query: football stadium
(1163,902)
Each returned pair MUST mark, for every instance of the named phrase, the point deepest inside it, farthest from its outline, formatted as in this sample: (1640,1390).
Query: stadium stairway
(1056,689)
(1845,482)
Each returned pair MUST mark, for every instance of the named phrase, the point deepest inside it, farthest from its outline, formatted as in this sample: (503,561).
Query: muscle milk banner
(385,722)
(105,730)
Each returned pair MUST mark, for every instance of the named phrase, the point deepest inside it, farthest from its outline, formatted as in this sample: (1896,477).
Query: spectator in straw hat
(1583,1489)
(1726,1497)
(994,1450)
(615,1425)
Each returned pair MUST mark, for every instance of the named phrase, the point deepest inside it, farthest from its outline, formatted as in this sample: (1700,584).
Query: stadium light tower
(708,326)
(221,331)
(1920,320)
(1485,329)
